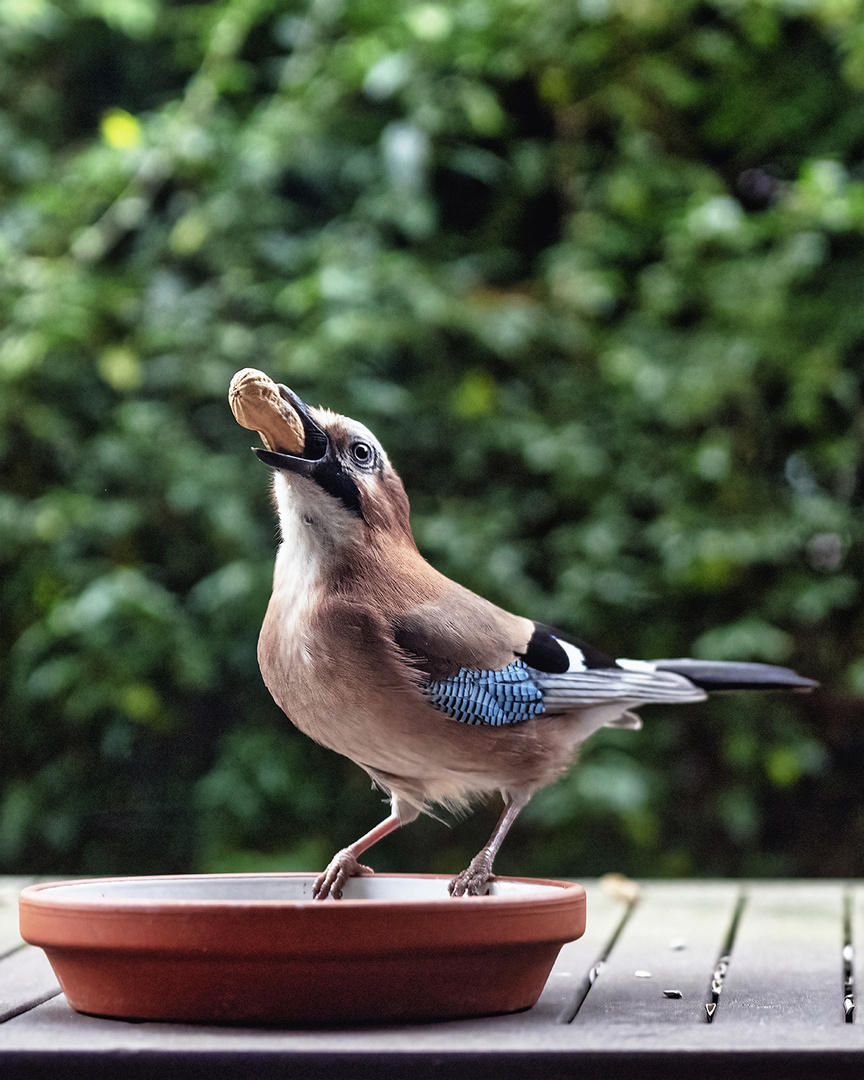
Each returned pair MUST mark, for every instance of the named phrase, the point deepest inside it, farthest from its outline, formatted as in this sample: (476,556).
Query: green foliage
(593,271)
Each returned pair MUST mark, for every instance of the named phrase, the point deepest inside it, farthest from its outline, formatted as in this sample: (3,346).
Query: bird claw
(474,880)
(342,866)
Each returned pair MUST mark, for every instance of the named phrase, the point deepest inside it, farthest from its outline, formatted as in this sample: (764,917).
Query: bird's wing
(501,697)
(519,692)
(545,674)
(629,682)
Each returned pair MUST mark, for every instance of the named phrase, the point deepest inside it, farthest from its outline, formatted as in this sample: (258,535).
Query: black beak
(315,444)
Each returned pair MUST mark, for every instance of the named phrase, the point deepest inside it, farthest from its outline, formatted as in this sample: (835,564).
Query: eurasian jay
(438,694)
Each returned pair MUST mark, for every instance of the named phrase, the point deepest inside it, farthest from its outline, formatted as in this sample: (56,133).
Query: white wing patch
(574,655)
(637,665)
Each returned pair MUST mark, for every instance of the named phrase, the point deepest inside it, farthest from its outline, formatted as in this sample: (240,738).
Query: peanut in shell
(257,404)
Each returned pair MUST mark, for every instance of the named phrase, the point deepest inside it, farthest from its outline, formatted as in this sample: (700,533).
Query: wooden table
(774,958)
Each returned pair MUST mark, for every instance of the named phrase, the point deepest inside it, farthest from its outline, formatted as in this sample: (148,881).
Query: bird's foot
(342,866)
(473,881)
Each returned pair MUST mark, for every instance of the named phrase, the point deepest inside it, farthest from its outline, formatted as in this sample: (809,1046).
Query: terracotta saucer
(257,949)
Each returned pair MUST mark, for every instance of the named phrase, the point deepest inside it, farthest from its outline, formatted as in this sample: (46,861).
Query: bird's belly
(421,754)
(385,725)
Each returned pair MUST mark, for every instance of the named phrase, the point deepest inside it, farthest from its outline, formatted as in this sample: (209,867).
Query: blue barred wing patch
(488,697)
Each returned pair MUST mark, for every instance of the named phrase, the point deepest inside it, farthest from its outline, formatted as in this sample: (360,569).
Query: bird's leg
(344,863)
(473,881)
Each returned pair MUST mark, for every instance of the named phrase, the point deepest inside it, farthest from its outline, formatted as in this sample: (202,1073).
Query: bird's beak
(315,444)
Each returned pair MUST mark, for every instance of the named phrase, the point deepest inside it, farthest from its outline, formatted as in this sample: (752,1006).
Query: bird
(441,696)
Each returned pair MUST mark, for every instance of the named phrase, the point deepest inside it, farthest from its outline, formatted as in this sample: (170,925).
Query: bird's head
(341,482)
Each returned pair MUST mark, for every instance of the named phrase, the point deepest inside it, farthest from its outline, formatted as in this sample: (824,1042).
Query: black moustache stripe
(331,477)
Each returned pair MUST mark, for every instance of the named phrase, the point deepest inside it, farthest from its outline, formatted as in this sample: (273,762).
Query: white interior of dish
(257,887)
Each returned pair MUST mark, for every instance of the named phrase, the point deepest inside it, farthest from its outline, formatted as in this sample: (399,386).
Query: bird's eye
(362,453)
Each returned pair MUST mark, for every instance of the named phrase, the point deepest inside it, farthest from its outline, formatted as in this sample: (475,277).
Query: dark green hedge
(594,272)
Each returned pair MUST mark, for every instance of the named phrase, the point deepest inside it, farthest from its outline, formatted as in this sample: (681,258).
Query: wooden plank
(26,980)
(671,943)
(786,966)
(52,1041)
(9,889)
(569,980)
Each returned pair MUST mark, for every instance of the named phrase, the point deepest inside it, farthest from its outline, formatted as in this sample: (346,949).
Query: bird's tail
(714,675)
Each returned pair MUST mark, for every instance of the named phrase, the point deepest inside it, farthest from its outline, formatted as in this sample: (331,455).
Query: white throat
(297,576)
